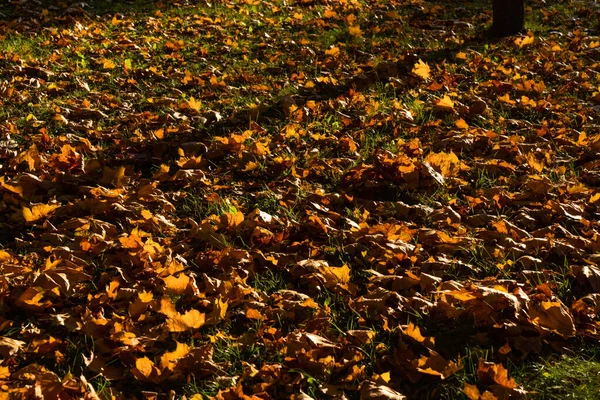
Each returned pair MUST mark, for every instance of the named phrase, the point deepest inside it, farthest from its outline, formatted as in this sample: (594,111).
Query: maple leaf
(39,211)
(422,70)
(194,104)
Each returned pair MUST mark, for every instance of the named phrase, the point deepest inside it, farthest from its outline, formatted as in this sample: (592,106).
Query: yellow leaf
(461,124)
(145,297)
(176,285)
(193,319)
(461,56)
(414,332)
(168,358)
(524,41)
(145,366)
(38,212)
(446,164)
(333,51)
(108,64)
(538,166)
(5,256)
(232,220)
(218,312)
(445,104)
(194,104)
(422,70)
(506,99)
(595,197)
(176,322)
(386,376)
(335,275)
(355,31)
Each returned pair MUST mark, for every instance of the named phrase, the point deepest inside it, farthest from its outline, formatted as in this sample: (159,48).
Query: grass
(565,377)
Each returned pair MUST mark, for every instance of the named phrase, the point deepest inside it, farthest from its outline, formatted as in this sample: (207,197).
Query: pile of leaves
(309,199)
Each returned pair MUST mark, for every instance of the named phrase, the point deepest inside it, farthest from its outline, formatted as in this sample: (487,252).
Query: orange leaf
(471,391)
(253,313)
(461,124)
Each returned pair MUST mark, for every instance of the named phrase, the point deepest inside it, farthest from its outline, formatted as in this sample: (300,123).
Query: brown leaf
(551,316)
(490,373)
(372,391)
(437,365)
(9,347)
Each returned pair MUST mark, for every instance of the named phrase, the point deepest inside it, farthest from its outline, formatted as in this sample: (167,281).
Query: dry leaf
(422,70)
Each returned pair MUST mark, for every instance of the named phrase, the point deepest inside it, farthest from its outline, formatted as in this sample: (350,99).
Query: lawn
(326,199)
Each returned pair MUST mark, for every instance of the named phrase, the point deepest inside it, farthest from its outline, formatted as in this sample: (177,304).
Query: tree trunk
(509,16)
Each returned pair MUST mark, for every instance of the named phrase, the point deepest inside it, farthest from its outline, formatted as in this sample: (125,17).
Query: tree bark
(509,16)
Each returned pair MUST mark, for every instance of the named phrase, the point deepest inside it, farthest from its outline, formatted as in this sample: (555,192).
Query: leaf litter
(293,200)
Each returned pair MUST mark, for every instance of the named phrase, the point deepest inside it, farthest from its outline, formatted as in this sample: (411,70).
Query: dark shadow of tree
(31,16)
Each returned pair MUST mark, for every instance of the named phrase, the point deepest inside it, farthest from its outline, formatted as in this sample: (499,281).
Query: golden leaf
(445,104)
(218,312)
(523,41)
(145,297)
(38,212)
(422,70)
(253,313)
(233,220)
(145,366)
(355,31)
(447,164)
(538,166)
(506,99)
(176,285)
(108,64)
(4,373)
(194,104)
(414,332)
(193,319)
(5,256)
(14,189)
(168,358)
(176,322)
(333,51)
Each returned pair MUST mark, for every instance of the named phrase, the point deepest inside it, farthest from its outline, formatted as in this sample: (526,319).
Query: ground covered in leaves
(335,199)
